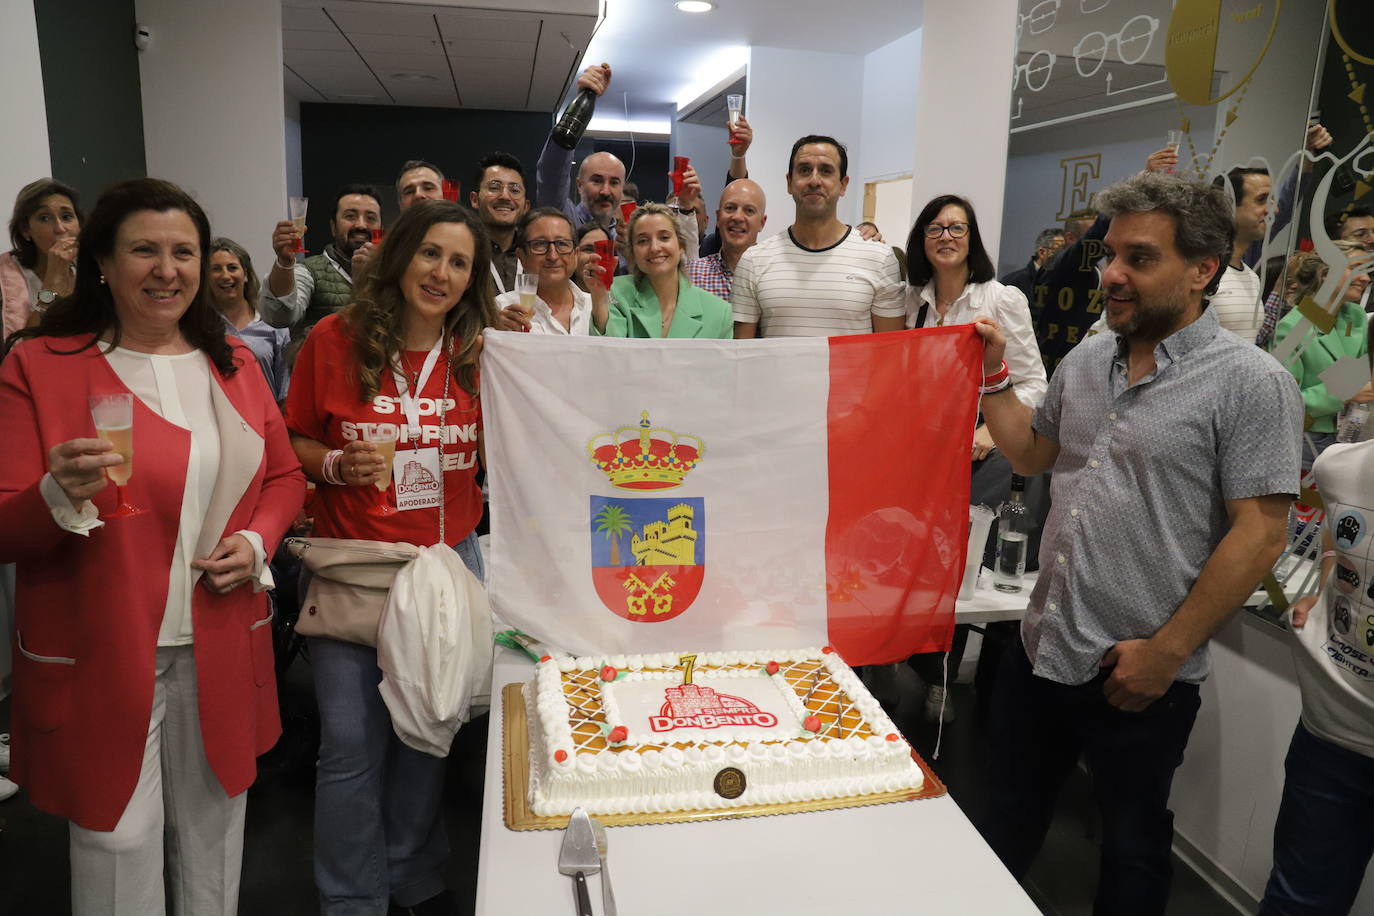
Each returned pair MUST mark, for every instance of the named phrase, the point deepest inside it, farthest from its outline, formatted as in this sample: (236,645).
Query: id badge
(415,478)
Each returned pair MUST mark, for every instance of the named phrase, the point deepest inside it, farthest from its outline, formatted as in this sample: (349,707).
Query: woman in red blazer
(143,678)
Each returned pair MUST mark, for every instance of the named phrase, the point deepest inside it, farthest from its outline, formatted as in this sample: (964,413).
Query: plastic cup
(452,189)
(979,525)
(627,209)
(377,236)
(605,253)
(298,207)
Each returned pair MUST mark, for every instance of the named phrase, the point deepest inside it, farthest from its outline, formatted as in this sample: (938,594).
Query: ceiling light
(694,6)
(415,77)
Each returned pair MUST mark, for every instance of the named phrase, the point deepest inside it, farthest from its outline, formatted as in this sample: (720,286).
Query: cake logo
(699,706)
(647,555)
(729,783)
(416,480)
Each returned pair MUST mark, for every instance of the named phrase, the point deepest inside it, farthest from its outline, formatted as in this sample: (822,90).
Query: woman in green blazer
(655,299)
(1347,337)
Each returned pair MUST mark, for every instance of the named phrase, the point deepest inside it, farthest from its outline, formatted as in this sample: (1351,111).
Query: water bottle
(1351,425)
(1013,534)
(567,133)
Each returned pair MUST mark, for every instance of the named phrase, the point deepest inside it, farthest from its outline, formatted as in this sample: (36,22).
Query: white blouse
(1005,305)
(176,388)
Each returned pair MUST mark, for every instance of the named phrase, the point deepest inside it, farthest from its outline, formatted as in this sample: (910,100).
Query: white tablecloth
(911,857)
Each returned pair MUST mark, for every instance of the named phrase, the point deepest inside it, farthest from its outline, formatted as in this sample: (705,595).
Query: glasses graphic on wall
(1036,70)
(1093,6)
(1039,20)
(1133,42)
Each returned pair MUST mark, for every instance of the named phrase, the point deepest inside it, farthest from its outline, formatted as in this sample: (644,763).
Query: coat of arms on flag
(648,553)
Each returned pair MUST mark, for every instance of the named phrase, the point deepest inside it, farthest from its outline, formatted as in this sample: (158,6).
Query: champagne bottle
(570,127)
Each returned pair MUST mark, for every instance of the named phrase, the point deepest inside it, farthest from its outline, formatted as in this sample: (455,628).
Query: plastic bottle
(568,132)
(1013,534)
(1352,422)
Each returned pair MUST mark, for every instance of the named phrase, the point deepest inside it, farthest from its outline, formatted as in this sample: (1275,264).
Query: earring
(102,279)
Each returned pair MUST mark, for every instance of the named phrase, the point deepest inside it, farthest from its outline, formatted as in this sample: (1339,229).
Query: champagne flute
(113,415)
(734,105)
(384,438)
(298,206)
(528,286)
(605,253)
(451,189)
(1173,141)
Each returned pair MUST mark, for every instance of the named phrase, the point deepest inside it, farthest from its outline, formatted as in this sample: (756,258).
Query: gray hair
(1204,217)
(1047,236)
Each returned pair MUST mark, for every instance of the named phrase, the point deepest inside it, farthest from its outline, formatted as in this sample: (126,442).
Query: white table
(988,605)
(921,856)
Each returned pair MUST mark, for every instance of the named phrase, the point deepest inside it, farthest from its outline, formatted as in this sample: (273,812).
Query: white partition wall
(212,111)
(963,110)
(792,94)
(26,119)
(709,151)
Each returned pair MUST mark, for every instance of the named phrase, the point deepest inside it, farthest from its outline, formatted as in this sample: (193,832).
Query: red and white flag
(651,495)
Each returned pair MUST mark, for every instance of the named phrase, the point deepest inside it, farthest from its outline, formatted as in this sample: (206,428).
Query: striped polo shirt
(792,291)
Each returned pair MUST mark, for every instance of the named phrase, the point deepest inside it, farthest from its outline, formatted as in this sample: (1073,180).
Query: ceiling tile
(486,27)
(300,57)
(474,47)
(304,40)
(407,63)
(395,44)
(298,88)
(397,20)
(310,18)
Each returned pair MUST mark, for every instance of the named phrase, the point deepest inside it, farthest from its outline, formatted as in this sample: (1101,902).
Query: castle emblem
(647,555)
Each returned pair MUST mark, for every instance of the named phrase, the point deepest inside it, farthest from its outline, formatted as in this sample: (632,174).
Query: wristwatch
(46,297)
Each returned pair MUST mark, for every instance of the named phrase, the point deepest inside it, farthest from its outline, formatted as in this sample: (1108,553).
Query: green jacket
(1348,337)
(635,312)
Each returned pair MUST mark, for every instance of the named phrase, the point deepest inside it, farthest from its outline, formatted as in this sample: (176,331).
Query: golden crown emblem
(645,457)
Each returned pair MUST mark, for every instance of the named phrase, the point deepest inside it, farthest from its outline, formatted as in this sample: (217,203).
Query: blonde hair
(654,210)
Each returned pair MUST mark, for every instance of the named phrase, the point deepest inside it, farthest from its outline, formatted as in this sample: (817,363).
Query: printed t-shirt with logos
(1335,649)
(324,405)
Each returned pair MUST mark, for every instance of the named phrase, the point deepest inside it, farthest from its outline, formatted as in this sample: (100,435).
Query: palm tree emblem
(614,523)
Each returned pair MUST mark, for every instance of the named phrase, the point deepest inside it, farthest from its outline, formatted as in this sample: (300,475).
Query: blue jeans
(1039,729)
(379,816)
(1323,840)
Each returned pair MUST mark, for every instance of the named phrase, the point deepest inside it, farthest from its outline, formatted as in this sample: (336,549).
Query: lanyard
(410,405)
(496,275)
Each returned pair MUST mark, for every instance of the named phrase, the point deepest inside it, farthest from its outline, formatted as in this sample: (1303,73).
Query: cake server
(578,858)
(607,895)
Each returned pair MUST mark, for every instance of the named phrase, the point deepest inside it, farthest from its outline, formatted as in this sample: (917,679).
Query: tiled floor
(277,855)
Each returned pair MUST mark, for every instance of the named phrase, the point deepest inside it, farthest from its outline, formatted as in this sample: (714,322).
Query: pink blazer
(89,608)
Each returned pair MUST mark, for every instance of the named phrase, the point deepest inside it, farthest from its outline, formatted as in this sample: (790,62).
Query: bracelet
(737,158)
(1003,385)
(1001,375)
(1328,555)
(329,468)
(291,266)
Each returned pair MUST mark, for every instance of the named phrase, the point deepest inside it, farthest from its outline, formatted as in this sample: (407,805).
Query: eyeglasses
(541,246)
(1132,44)
(494,187)
(955,230)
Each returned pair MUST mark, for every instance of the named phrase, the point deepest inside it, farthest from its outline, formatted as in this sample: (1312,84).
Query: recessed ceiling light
(694,6)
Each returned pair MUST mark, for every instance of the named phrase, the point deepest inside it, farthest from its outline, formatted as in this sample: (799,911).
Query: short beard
(1153,318)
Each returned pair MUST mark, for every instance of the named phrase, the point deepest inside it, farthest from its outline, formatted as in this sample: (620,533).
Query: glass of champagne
(734,104)
(298,205)
(114,422)
(1173,141)
(528,285)
(384,438)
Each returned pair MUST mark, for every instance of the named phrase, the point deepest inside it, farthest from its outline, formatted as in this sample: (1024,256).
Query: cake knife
(578,858)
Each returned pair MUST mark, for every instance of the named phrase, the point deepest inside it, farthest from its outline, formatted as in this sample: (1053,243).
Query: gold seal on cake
(729,783)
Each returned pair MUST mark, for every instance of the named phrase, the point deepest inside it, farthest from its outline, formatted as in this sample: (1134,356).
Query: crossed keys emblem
(644,597)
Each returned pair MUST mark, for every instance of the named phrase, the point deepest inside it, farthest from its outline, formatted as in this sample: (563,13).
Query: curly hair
(377,315)
(90,309)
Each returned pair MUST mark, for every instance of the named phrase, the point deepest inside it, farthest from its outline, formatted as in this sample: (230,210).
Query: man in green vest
(299,294)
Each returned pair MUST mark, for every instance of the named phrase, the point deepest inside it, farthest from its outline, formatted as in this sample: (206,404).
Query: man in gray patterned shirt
(1174,447)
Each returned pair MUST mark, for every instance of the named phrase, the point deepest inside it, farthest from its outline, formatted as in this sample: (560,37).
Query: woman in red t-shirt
(396,369)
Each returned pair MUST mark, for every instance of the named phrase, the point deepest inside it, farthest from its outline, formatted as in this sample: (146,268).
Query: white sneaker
(7,788)
(936,697)
(4,752)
